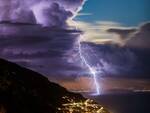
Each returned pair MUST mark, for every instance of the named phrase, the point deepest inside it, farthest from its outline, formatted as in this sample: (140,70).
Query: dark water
(125,103)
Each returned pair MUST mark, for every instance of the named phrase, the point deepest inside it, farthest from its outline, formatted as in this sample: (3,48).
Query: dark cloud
(137,38)
(42,49)
(124,33)
(53,52)
(112,60)
(141,39)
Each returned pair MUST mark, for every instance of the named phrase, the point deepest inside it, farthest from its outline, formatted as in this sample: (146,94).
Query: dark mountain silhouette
(25,91)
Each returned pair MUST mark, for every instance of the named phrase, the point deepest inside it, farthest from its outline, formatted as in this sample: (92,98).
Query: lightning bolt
(83,59)
(91,69)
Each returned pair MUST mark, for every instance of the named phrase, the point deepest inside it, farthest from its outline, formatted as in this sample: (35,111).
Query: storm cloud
(115,61)
(136,38)
(34,34)
(123,33)
(45,12)
(42,49)
(140,39)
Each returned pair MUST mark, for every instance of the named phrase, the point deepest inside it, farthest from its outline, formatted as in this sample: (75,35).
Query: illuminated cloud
(105,32)
(84,14)
(50,12)
(97,32)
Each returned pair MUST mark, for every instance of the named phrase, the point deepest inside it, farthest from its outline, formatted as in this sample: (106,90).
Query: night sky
(43,35)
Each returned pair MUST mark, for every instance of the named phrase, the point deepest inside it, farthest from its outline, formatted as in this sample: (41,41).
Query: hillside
(25,91)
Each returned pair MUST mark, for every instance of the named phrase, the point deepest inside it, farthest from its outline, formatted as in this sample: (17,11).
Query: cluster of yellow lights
(87,106)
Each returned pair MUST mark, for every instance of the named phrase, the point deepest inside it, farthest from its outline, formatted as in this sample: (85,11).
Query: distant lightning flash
(91,69)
